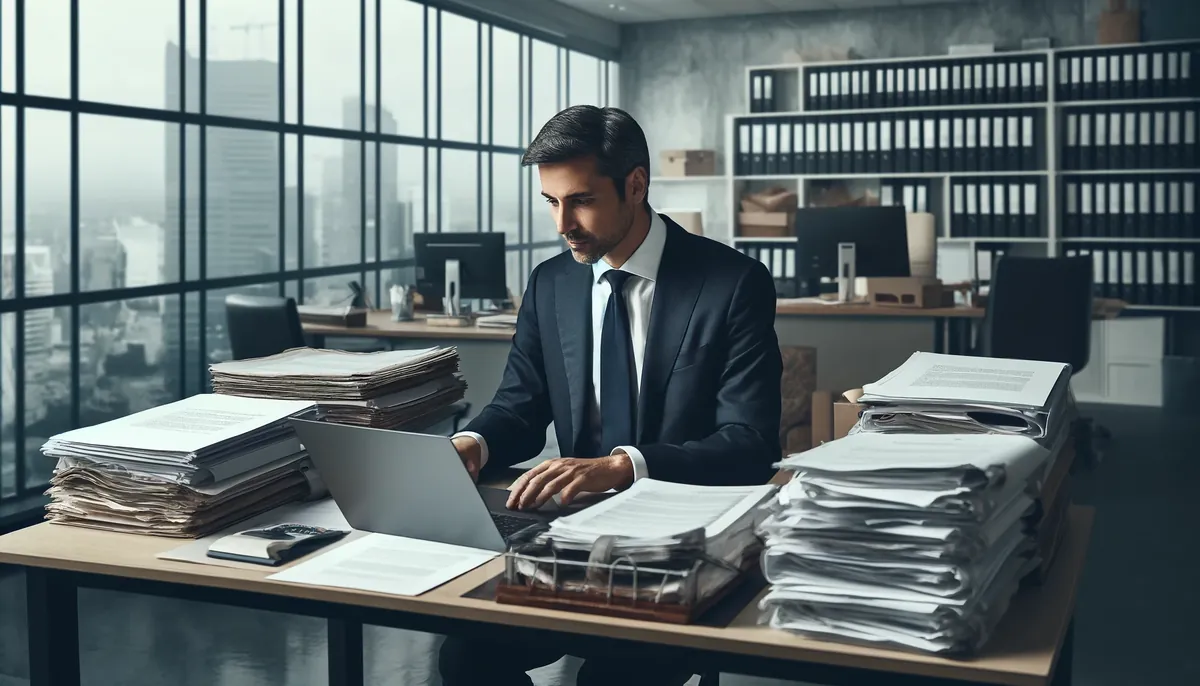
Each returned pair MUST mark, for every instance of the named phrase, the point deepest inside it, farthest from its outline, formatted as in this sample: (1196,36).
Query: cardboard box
(774,199)
(1118,25)
(834,414)
(908,291)
(766,224)
(692,221)
(687,163)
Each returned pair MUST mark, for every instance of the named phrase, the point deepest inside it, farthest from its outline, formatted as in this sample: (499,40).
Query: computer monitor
(879,235)
(457,266)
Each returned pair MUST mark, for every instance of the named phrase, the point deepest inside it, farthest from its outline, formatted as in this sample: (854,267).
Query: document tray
(621,589)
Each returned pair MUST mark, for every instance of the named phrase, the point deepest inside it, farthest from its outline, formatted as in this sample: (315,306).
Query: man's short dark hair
(606,133)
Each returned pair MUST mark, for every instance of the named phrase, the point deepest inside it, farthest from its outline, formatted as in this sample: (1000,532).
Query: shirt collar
(644,261)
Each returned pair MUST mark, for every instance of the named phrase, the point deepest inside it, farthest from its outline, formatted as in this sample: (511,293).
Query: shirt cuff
(483,451)
(637,458)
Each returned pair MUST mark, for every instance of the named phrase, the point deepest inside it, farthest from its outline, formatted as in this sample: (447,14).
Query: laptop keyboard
(510,524)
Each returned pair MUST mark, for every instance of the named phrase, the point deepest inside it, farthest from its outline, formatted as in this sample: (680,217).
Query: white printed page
(188,425)
(386,564)
(325,363)
(959,378)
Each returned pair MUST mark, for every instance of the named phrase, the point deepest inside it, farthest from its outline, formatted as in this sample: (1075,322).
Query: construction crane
(258,27)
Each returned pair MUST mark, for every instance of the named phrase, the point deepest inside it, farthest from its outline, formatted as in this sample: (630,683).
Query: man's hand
(470,452)
(569,476)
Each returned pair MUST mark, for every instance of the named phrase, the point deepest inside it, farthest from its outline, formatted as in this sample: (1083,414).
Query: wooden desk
(1034,636)
(380,325)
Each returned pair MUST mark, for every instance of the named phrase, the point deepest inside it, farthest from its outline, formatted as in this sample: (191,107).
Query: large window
(239,146)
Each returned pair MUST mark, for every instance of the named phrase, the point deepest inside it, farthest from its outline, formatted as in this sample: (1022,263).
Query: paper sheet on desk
(386,564)
(958,379)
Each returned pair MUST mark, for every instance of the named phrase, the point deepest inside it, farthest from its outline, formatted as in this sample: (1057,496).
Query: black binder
(929,143)
(1071,209)
(957,209)
(1145,209)
(1129,209)
(971,151)
(872,126)
(958,160)
(1071,140)
(916,144)
(799,161)
(944,147)
(770,146)
(984,156)
(886,144)
(1032,209)
(757,149)
(743,148)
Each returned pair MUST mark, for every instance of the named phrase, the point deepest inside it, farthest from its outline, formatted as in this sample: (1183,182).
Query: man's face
(586,209)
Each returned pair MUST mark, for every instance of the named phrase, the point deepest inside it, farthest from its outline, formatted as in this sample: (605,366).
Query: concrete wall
(679,79)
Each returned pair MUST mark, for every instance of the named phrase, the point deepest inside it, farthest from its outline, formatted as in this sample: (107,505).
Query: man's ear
(636,185)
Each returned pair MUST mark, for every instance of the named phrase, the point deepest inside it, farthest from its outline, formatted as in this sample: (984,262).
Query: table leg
(53,614)
(1066,658)
(939,335)
(345,653)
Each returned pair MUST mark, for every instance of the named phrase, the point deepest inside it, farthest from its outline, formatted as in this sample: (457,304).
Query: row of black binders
(1149,71)
(1130,207)
(1161,274)
(762,91)
(1002,79)
(779,259)
(887,143)
(1009,207)
(1150,137)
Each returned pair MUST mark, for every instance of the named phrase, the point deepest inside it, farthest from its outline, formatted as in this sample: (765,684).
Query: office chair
(1041,309)
(262,325)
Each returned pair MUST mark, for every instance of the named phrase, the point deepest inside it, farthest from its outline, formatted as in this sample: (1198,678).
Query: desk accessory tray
(642,598)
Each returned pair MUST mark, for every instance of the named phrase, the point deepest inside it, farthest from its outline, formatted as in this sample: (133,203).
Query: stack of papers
(656,526)
(933,393)
(182,469)
(909,540)
(387,390)
(497,321)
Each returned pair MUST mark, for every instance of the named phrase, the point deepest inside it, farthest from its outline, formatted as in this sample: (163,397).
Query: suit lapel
(573,311)
(675,293)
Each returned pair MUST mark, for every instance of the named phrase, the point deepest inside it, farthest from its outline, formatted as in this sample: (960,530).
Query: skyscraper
(242,194)
(393,244)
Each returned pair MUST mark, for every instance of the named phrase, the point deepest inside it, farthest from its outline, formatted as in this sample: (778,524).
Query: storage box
(908,291)
(691,220)
(766,224)
(1118,25)
(687,163)
(834,414)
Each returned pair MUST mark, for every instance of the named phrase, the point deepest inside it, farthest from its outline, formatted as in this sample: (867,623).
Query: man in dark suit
(652,350)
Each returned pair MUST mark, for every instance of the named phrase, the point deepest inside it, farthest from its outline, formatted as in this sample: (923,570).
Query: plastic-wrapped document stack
(387,390)
(932,393)
(185,469)
(664,549)
(907,540)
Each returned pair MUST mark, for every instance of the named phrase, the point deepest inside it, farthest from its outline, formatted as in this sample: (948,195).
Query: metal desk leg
(53,613)
(345,653)
(1066,658)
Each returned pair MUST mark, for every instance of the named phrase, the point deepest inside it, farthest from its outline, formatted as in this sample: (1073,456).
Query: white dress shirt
(639,297)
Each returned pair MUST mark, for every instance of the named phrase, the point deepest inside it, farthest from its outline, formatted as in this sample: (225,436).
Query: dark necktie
(617,404)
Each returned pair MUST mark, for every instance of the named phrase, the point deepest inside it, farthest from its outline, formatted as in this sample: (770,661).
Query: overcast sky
(122,59)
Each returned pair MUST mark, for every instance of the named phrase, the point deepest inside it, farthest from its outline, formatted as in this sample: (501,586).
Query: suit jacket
(709,404)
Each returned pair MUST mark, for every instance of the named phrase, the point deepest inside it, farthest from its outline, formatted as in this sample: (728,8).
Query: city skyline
(135,198)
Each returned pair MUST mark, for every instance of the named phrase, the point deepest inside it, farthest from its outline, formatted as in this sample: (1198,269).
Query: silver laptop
(408,484)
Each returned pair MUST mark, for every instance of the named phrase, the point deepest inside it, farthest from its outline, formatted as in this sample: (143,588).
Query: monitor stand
(452,302)
(845,279)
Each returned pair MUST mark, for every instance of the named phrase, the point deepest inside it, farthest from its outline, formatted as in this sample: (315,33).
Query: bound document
(273,545)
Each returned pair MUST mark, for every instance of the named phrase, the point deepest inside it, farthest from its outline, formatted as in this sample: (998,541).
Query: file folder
(1086,88)
(944,148)
(1071,210)
(986,212)
(1100,211)
(1189,139)
(970,153)
(835,148)
(1175,277)
(1086,225)
(1129,157)
(1174,138)
(1129,89)
(757,149)
(770,147)
(915,145)
(1032,210)
(956,84)
(1188,227)
(1174,210)
(858,150)
(1012,143)
(1114,209)
(886,126)
(1084,158)
(847,162)
(1160,209)
(972,214)
(872,165)
(1158,278)
(984,156)
(957,208)
(824,92)
(1129,210)
(823,147)
(929,159)
(1145,211)
(1039,80)
(1145,139)
(1071,144)
(744,147)
(900,156)
(1142,292)
(811,155)
(1127,276)
(799,159)
(784,127)
(814,87)
(1100,91)
(958,156)
(1100,131)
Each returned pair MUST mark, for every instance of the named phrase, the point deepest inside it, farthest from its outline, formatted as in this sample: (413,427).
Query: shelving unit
(790,93)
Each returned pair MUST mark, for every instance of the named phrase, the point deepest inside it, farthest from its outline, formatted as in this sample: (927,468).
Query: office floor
(1135,621)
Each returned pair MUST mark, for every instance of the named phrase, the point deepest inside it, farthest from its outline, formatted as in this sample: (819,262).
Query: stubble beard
(599,250)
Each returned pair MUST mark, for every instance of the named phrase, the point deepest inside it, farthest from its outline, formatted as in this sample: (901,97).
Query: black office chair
(1041,309)
(262,325)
